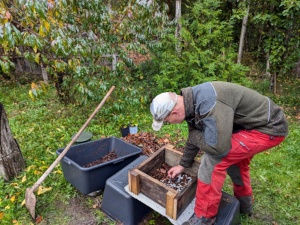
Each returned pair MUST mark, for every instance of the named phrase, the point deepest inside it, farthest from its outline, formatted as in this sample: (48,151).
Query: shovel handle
(62,154)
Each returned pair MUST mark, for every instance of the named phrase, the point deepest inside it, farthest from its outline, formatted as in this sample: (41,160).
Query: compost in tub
(90,179)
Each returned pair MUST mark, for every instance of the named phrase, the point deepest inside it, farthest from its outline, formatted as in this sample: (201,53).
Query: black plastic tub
(91,179)
(120,205)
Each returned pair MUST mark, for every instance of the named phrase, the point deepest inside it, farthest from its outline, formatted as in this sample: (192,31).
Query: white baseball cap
(160,108)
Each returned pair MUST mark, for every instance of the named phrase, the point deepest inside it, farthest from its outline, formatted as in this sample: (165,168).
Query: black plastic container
(229,211)
(91,179)
(120,205)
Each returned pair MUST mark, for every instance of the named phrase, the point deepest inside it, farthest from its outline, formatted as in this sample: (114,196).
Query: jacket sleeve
(190,150)
(214,137)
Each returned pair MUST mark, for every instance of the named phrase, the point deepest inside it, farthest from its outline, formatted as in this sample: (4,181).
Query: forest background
(58,58)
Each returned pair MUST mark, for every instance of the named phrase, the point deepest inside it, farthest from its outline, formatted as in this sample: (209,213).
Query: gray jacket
(214,110)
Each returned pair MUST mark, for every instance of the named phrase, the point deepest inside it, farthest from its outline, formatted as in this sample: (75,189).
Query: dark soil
(108,157)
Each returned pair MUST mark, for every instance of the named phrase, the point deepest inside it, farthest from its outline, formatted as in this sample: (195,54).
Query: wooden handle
(62,154)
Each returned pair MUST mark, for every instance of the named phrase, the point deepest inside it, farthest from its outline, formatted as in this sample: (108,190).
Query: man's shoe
(246,205)
(194,220)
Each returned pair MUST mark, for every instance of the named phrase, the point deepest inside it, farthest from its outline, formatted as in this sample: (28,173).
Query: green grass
(276,185)
(43,126)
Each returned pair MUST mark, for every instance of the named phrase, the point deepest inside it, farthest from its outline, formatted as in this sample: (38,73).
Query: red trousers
(245,144)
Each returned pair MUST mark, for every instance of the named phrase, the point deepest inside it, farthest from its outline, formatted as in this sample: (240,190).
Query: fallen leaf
(58,171)
(38,219)
(163,171)
(13,198)
(14,184)
(36,172)
(23,179)
(33,85)
(31,95)
(42,190)
(30,167)
(1,215)
(8,15)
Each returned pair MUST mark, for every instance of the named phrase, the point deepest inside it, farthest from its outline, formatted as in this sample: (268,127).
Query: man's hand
(175,171)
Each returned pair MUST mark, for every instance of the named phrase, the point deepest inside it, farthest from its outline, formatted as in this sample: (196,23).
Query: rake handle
(62,154)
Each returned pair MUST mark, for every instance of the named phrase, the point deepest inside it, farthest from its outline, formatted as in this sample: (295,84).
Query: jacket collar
(188,99)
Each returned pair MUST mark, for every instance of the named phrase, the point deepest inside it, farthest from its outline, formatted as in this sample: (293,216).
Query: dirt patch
(77,211)
(80,213)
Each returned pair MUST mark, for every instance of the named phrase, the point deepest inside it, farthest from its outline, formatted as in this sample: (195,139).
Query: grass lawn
(45,125)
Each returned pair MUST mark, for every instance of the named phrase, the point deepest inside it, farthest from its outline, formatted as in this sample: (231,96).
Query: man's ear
(174,111)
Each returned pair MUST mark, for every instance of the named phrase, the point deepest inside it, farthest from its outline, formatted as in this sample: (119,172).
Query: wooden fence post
(11,159)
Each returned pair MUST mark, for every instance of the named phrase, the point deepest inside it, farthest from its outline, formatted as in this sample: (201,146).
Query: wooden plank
(185,197)
(153,161)
(175,211)
(134,181)
(172,156)
(171,210)
(154,189)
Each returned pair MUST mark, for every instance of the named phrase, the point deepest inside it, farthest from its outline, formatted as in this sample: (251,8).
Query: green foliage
(6,65)
(71,39)
(144,76)
(207,51)
(279,32)
(74,40)
(287,97)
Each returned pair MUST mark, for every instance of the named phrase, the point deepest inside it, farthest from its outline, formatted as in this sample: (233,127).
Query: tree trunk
(11,159)
(274,83)
(297,69)
(178,26)
(268,67)
(272,77)
(44,74)
(243,32)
